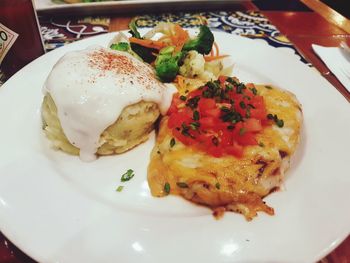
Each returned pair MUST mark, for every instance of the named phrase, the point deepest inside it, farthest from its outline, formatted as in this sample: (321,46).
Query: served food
(173,52)
(226,145)
(101,101)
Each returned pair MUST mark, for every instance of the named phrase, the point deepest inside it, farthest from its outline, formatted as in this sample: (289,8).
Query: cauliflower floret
(193,65)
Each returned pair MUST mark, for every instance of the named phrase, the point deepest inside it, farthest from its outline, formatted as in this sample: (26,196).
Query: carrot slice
(211,58)
(148,43)
(216,49)
(179,38)
(180,80)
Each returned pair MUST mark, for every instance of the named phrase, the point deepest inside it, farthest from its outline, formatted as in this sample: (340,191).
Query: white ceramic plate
(123,6)
(59,209)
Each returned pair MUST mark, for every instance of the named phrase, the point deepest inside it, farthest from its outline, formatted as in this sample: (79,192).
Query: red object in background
(20,17)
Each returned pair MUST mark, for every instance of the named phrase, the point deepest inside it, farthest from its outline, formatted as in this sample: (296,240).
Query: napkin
(337,60)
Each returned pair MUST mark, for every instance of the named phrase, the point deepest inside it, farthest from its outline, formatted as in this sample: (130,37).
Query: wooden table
(323,26)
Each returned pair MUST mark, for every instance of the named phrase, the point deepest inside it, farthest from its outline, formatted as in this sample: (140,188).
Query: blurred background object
(20,36)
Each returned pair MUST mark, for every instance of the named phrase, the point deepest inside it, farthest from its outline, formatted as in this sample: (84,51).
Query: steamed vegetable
(121,46)
(167,63)
(203,43)
(146,53)
(170,50)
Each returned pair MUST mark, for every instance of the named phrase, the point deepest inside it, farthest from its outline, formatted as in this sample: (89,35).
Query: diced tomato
(247,138)
(222,80)
(237,97)
(258,102)
(238,126)
(195,93)
(176,120)
(252,125)
(174,103)
(215,151)
(202,137)
(187,112)
(207,122)
(258,113)
(187,140)
(212,134)
(240,110)
(249,93)
(235,149)
(206,104)
(226,138)
(212,113)
(265,122)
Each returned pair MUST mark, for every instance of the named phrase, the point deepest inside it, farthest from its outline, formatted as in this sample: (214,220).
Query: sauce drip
(91,87)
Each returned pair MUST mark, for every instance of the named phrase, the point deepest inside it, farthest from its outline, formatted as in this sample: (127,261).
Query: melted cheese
(91,87)
(243,182)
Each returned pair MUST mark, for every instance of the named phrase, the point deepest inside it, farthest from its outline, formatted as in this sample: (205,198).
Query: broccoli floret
(121,46)
(202,43)
(167,64)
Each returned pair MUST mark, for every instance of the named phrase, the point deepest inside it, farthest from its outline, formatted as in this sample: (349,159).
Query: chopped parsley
(167,188)
(127,175)
(261,144)
(254,90)
(182,97)
(119,188)
(172,142)
(217,185)
(195,115)
(195,125)
(279,122)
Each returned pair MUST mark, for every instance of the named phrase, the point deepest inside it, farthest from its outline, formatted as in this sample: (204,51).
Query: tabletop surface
(303,23)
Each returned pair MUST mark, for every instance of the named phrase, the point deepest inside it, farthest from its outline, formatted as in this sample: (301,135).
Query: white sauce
(91,88)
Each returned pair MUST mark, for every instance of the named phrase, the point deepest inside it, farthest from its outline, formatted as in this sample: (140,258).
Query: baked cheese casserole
(226,145)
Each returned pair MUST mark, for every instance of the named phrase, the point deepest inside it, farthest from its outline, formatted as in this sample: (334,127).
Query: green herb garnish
(279,122)
(195,125)
(242,105)
(119,188)
(172,142)
(167,188)
(217,185)
(127,175)
(254,90)
(121,46)
(196,115)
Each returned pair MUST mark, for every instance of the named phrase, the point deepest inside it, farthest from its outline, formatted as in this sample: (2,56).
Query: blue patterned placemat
(60,31)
